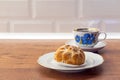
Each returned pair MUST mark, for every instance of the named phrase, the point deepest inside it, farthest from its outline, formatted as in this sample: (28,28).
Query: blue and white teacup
(87,37)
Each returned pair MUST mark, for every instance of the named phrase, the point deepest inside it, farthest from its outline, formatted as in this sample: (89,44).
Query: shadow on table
(86,74)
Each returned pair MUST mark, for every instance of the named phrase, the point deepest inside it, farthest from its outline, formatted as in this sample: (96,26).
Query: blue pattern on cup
(86,39)
(77,38)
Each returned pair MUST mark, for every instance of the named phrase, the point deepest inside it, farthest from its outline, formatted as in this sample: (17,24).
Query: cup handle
(105,36)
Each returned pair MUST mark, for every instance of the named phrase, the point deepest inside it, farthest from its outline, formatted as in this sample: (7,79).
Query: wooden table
(18,61)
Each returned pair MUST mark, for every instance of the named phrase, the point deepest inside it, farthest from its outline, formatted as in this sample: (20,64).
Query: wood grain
(18,61)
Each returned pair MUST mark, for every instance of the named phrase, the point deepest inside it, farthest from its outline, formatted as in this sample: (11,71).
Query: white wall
(57,15)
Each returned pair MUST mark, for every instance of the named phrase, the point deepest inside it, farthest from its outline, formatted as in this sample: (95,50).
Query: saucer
(92,60)
(97,47)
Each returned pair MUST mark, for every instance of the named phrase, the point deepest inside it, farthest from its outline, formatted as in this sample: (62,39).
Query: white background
(57,16)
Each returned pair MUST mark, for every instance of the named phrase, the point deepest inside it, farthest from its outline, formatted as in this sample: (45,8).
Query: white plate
(92,60)
(67,65)
(97,47)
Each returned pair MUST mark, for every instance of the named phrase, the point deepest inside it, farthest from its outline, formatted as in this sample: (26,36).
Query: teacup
(87,37)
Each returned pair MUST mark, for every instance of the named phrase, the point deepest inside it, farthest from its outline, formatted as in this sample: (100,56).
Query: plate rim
(69,69)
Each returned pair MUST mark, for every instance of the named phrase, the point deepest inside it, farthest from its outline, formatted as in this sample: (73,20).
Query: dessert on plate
(70,55)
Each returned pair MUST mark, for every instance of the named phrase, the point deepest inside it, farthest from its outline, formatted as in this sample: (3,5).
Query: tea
(86,29)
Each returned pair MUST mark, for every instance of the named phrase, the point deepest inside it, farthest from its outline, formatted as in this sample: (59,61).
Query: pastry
(70,55)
